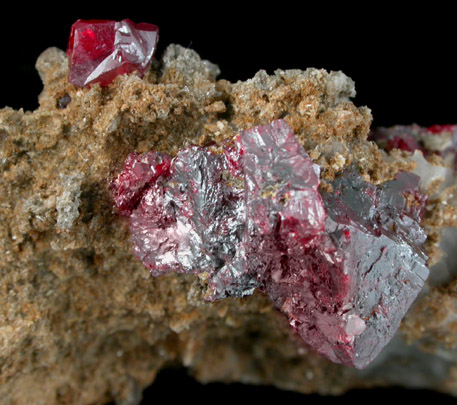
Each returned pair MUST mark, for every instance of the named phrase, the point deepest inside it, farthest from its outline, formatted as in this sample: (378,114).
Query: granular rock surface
(83,322)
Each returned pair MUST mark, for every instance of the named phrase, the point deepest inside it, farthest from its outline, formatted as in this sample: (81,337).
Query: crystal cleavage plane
(342,266)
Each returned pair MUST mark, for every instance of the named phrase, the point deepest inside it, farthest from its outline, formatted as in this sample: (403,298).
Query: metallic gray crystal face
(343,267)
(283,208)
(383,255)
(192,221)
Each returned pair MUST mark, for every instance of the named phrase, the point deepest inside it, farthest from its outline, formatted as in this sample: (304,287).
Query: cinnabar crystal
(100,50)
(343,267)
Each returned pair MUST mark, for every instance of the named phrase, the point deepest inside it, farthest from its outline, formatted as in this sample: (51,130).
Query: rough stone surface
(83,322)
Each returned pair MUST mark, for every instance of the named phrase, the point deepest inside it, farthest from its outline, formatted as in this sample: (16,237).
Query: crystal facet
(344,266)
(100,50)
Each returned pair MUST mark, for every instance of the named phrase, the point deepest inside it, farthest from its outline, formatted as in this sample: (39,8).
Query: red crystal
(139,172)
(100,50)
(437,139)
(438,129)
(400,137)
(342,266)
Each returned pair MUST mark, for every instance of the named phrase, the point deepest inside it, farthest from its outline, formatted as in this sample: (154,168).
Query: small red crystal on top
(100,50)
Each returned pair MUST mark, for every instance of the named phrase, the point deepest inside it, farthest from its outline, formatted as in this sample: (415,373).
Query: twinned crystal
(343,266)
(100,50)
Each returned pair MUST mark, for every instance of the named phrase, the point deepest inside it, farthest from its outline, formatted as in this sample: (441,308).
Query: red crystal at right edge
(100,50)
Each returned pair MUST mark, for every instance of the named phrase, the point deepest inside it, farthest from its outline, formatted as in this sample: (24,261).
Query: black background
(401,60)
(403,63)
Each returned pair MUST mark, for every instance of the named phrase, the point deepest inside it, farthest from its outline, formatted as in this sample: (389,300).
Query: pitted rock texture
(83,322)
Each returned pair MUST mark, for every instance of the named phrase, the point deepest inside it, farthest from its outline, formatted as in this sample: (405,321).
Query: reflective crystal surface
(344,266)
(100,50)
(378,238)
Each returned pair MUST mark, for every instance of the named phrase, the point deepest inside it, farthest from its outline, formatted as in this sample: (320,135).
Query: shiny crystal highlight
(100,50)
(342,266)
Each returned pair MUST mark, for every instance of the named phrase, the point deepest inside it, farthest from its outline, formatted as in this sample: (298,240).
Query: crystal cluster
(100,50)
(437,139)
(344,266)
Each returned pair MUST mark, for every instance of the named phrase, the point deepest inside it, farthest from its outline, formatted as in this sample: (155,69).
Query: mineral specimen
(82,321)
(343,269)
(100,50)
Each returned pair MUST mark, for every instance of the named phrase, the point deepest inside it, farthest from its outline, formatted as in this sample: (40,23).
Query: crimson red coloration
(438,129)
(405,143)
(399,137)
(435,140)
(139,172)
(343,267)
(100,50)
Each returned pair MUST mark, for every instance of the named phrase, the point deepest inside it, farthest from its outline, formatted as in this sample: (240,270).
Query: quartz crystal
(100,50)
(342,266)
